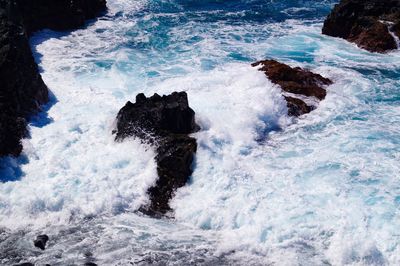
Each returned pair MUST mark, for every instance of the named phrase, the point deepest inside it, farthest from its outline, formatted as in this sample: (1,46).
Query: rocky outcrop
(22,90)
(367,23)
(164,122)
(296,83)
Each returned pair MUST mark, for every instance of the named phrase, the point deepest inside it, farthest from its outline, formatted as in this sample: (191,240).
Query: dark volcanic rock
(59,14)
(12,130)
(157,116)
(174,160)
(22,90)
(41,241)
(295,81)
(365,23)
(165,122)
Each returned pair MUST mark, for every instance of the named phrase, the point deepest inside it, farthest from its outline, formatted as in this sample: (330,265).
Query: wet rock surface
(22,90)
(295,81)
(40,241)
(367,23)
(297,107)
(164,122)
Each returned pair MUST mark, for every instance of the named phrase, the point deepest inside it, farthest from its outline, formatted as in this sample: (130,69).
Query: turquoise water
(267,189)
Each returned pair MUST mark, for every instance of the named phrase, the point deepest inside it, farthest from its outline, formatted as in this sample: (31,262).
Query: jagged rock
(22,90)
(365,23)
(156,115)
(295,81)
(165,122)
(40,241)
(297,107)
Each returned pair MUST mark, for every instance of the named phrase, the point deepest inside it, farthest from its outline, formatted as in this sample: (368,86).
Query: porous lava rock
(370,24)
(22,90)
(295,81)
(164,122)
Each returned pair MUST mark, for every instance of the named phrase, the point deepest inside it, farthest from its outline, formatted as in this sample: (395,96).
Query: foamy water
(266,188)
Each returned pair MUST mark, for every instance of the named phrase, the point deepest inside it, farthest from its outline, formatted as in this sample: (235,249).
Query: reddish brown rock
(296,81)
(297,107)
(365,23)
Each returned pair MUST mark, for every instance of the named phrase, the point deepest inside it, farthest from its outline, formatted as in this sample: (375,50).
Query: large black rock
(22,90)
(165,122)
(365,23)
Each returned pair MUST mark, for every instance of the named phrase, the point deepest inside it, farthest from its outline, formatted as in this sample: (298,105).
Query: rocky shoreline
(372,25)
(22,90)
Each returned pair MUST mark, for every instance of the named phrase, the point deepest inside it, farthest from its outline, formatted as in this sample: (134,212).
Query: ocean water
(267,189)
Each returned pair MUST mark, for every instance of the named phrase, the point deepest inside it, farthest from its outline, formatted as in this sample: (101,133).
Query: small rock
(41,241)
(297,107)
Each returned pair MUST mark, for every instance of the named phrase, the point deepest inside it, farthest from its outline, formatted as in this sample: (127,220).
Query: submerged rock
(22,90)
(165,122)
(366,23)
(295,81)
(41,241)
